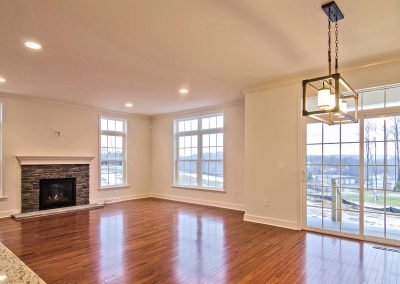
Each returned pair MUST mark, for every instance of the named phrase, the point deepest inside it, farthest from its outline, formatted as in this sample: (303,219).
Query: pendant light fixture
(330,98)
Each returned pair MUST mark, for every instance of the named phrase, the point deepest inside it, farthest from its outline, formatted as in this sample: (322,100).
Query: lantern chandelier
(330,98)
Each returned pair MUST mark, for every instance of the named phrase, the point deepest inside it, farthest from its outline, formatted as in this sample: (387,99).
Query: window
(353,170)
(1,152)
(333,174)
(112,152)
(199,152)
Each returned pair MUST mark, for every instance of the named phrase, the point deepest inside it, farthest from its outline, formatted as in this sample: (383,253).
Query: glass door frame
(365,114)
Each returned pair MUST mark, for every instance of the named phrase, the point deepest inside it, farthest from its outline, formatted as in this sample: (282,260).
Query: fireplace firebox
(55,193)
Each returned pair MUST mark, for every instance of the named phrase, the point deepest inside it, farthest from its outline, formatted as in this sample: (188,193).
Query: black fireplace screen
(55,193)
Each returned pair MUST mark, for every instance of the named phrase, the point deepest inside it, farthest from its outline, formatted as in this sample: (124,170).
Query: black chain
(336,47)
(329,46)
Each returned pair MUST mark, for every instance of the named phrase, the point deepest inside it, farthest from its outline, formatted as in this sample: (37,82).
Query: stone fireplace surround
(35,168)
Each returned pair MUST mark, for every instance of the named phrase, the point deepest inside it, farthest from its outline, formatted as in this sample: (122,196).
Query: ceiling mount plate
(332,11)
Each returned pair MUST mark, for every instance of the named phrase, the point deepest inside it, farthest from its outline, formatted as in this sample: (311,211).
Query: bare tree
(394,130)
(370,149)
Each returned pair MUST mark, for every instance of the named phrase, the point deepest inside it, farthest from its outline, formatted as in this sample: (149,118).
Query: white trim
(3,197)
(208,189)
(381,241)
(5,95)
(114,187)
(108,200)
(272,222)
(361,176)
(124,135)
(371,63)
(199,111)
(334,233)
(238,207)
(1,150)
(53,160)
(7,214)
(363,115)
(301,174)
(353,236)
(199,133)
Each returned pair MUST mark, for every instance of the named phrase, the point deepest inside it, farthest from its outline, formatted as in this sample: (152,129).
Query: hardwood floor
(156,241)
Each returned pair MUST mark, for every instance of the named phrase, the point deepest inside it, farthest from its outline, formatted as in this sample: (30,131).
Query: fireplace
(55,193)
(37,168)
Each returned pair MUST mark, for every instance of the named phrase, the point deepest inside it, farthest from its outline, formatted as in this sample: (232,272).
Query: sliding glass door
(382,177)
(352,175)
(333,177)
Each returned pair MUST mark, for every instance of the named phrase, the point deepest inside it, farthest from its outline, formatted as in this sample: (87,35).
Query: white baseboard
(238,207)
(120,198)
(272,221)
(232,206)
(247,217)
(5,214)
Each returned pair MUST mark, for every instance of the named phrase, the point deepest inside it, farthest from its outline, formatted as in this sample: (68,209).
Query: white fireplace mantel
(54,160)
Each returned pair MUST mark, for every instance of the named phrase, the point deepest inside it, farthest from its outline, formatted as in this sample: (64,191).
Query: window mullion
(199,156)
(362,175)
(124,159)
(384,176)
(113,133)
(195,132)
(176,158)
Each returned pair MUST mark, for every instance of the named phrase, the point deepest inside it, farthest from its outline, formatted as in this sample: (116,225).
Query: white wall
(262,136)
(271,170)
(163,160)
(28,127)
(273,144)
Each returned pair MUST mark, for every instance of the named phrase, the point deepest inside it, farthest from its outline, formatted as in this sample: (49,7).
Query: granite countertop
(13,270)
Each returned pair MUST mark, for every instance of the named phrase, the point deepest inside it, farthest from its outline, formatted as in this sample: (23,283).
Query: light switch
(280,165)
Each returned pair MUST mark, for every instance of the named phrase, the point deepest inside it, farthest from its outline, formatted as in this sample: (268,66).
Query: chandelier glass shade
(325,99)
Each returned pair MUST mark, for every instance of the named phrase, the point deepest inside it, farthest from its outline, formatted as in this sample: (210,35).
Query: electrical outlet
(266,202)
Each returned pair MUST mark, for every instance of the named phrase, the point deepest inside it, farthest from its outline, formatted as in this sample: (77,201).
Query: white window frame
(363,115)
(2,194)
(199,132)
(124,135)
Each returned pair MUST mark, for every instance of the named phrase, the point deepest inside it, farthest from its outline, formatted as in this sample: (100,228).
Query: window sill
(218,190)
(3,197)
(115,187)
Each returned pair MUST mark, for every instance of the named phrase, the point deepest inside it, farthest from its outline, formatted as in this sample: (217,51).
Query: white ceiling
(105,53)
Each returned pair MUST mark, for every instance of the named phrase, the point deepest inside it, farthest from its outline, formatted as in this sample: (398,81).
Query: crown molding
(365,64)
(5,95)
(201,110)
(104,111)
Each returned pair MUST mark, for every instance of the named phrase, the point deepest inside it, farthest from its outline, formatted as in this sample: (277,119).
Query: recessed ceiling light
(33,45)
(183,91)
(129,105)
(2,80)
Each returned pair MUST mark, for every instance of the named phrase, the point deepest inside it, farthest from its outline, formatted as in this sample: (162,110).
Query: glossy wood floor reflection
(156,241)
